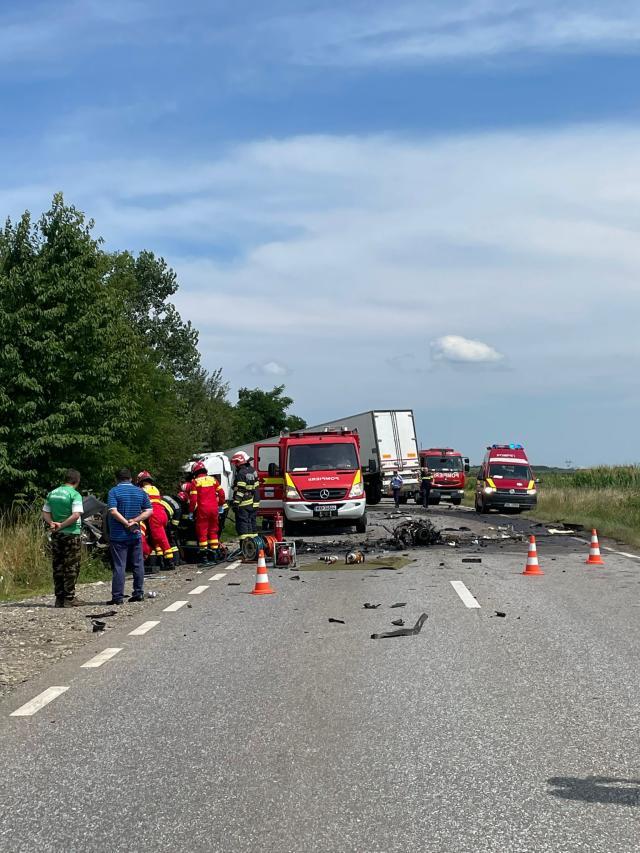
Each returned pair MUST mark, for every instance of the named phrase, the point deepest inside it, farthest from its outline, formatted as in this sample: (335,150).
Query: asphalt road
(248,723)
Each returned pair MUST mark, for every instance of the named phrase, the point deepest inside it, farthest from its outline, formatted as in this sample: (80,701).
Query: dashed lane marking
(233,566)
(218,577)
(142,629)
(42,699)
(198,590)
(467,599)
(175,606)
(100,658)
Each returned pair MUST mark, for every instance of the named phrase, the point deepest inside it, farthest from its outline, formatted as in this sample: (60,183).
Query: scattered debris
(398,622)
(97,615)
(337,621)
(500,613)
(399,604)
(368,606)
(294,577)
(151,594)
(98,625)
(189,605)
(329,560)
(354,557)
(472,559)
(403,632)
(233,583)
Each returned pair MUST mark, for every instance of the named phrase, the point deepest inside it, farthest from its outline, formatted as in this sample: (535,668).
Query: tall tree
(264,413)
(68,357)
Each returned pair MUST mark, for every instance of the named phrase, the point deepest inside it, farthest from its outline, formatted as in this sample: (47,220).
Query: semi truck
(448,467)
(388,443)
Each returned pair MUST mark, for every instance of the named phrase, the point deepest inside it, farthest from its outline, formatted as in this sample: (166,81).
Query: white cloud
(461,351)
(268,368)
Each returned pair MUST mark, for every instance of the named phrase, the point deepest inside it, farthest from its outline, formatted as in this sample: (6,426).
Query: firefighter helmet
(240,458)
(198,467)
(144,477)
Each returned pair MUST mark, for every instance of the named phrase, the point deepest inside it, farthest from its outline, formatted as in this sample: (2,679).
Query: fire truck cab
(448,467)
(505,480)
(311,477)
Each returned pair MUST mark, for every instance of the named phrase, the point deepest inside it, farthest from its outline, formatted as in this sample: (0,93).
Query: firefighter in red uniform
(157,523)
(205,499)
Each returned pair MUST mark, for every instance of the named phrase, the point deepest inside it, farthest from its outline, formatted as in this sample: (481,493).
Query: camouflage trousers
(65,551)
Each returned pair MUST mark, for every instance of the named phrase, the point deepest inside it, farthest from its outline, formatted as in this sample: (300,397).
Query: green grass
(606,497)
(25,562)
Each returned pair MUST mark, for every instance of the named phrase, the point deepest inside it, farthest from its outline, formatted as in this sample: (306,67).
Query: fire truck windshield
(509,472)
(322,457)
(443,463)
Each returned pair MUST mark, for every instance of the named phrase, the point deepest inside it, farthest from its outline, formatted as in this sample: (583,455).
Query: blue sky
(410,204)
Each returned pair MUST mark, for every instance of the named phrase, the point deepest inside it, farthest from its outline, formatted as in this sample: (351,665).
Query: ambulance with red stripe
(505,481)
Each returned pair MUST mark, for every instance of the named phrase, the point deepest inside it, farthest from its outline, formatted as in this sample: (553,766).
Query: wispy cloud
(456,350)
(273,369)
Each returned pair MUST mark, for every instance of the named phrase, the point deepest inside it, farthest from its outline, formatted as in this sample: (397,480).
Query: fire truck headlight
(532,491)
(357,490)
(292,493)
(489,490)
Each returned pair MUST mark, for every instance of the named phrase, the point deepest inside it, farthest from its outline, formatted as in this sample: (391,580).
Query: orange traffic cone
(262,587)
(594,558)
(532,567)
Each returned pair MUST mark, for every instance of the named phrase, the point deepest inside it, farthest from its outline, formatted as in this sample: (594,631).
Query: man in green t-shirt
(62,512)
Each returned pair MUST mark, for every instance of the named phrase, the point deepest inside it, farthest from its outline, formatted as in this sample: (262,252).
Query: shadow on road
(597,789)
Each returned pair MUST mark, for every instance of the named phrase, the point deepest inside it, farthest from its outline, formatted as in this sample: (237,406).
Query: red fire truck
(311,477)
(448,467)
(505,480)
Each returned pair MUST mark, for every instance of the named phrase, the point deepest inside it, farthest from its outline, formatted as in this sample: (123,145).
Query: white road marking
(175,606)
(219,576)
(198,590)
(142,629)
(100,658)
(233,566)
(39,701)
(607,548)
(467,599)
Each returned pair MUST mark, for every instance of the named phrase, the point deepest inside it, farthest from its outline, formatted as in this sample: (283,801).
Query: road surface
(245,723)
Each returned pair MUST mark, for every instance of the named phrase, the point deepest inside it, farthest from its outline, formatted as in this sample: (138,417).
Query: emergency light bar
(506,446)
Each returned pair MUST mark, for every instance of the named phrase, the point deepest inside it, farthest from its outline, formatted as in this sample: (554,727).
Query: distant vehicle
(312,476)
(448,467)
(505,480)
(219,466)
(388,443)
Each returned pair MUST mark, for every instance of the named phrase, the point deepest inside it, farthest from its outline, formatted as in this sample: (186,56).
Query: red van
(505,480)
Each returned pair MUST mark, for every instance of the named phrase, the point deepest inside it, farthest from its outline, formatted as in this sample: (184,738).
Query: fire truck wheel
(456,502)
(361,524)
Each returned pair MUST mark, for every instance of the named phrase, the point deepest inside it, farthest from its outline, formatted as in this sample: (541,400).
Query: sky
(410,204)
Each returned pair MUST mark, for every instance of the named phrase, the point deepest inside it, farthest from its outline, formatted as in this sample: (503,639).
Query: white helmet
(240,458)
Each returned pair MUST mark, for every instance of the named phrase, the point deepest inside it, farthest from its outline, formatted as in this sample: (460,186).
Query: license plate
(512,506)
(325,510)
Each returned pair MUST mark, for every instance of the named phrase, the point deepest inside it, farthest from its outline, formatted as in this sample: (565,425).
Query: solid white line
(465,595)
(142,629)
(607,548)
(175,606)
(233,566)
(39,701)
(100,658)
(198,590)
(219,576)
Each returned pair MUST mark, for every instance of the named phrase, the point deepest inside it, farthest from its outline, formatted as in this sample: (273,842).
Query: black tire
(374,494)
(456,502)
(291,528)
(361,524)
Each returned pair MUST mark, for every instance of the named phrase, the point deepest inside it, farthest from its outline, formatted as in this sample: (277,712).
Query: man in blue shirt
(128,507)
(396,486)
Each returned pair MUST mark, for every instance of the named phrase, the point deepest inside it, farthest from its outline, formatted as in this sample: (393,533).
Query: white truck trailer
(388,443)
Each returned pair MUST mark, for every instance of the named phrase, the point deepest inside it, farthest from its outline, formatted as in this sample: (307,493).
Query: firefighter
(174,515)
(246,499)
(205,499)
(157,523)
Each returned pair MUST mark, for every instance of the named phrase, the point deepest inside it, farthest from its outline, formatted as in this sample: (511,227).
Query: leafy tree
(68,356)
(261,414)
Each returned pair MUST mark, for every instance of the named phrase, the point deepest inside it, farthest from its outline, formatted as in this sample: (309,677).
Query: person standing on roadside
(62,512)
(128,507)
(426,481)
(396,485)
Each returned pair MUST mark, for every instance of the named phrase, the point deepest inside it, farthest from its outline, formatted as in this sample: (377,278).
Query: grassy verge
(25,562)
(605,498)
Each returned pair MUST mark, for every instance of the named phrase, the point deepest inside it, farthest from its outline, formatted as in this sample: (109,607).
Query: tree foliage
(98,369)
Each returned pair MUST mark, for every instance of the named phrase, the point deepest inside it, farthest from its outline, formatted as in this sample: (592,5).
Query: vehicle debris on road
(403,632)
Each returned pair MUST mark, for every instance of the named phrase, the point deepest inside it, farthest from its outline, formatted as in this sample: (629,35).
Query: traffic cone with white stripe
(262,587)
(532,567)
(594,558)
